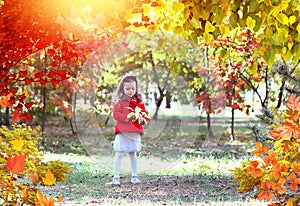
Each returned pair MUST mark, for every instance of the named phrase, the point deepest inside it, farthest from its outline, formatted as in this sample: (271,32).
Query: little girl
(130,115)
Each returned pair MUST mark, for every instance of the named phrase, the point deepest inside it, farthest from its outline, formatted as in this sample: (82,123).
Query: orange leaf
(60,199)
(49,178)
(271,158)
(15,164)
(294,182)
(266,192)
(34,178)
(289,129)
(260,149)
(293,103)
(290,203)
(42,200)
(296,167)
(4,101)
(253,169)
(24,193)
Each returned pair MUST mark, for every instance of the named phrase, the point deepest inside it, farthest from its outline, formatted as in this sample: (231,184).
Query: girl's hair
(119,95)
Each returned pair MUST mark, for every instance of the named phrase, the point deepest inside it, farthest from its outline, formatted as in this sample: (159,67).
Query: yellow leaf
(49,178)
(17,144)
(207,37)
(253,68)
(178,30)
(292,19)
(250,23)
(290,203)
(209,27)
(26,93)
(298,28)
(288,55)
(195,23)
(178,7)
(224,30)
(167,26)
(146,8)
(282,18)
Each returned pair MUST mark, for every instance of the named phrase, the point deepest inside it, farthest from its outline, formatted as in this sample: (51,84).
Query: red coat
(120,113)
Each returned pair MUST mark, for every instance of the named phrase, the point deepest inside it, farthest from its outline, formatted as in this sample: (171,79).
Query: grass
(174,168)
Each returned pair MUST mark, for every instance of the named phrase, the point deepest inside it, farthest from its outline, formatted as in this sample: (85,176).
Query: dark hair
(119,93)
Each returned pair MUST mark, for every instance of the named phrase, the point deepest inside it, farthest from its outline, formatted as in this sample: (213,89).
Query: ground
(201,175)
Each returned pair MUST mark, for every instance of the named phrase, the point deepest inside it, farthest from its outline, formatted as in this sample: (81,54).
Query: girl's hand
(131,117)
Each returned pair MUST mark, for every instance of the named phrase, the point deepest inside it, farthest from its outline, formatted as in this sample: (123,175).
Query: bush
(22,168)
(275,172)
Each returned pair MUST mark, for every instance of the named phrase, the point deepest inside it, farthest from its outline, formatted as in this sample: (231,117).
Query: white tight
(118,159)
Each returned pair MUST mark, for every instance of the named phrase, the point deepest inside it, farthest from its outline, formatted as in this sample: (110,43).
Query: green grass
(174,167)
(192,181)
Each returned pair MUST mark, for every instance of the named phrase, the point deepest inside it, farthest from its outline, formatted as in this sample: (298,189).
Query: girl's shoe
(135,180)
(116,181)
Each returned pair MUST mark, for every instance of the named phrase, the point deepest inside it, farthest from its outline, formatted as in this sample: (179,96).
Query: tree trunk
(168,100)
(7,122)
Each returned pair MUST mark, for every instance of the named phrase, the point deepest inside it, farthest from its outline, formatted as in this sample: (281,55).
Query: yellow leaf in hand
(49,178)
(17,144)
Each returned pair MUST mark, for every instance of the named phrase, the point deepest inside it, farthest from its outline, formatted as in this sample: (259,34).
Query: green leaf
(275,40)
(298,28)
(269,57)
(282,18)
(253,6)
(282,34)
(253,68)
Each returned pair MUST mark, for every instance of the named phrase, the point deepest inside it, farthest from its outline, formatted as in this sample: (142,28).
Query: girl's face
(130,88)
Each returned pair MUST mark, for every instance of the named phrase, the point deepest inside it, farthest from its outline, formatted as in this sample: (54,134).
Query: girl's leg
(117,163)
(133,163)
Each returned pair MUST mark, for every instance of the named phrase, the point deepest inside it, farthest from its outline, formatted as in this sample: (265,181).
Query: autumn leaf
(289,130)
(279,186)
(42,200)
(5,101)
(49,178)
(15,164)
(266,192)
(296,167)
(271,158)
(294,182)
(60,199)
(0,140)
(24,193)
(260,149)
(17,144)
(293,103)
(34,178)
(254,168)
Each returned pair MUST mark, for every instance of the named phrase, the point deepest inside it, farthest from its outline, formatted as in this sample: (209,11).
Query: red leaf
(51,74)
(15,164)
(39,74)
(15,116)
(54,82)
(19,107)
(24,116)
(28,104)
(28,80)
(22,74)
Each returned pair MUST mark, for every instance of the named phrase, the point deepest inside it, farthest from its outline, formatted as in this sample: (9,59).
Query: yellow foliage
(18,140)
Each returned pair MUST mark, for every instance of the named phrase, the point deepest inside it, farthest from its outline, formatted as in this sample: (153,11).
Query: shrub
(275,172)
(22,168)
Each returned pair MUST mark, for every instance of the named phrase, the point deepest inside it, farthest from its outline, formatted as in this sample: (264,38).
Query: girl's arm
(119,113)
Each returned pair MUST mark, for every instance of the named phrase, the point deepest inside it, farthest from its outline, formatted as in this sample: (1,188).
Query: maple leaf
(266,192)
(289,129)
(0,140)
(296,167)
(42,200)
(294,182)
(279,186)
(24,193)
(253,169)
(260,149)
(15,164)
(17,144)
(49,178)
(15,116)
(60,199)
(34,177)
(5,101)
(293,102)
(271,158)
